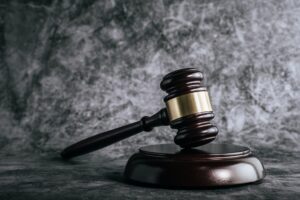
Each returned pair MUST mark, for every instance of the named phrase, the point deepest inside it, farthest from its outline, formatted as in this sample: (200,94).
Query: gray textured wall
(70,70)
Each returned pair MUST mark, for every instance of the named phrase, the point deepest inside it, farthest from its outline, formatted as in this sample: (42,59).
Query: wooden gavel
(188,109)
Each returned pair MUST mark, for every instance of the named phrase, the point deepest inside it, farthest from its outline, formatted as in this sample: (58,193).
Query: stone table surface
(49,177)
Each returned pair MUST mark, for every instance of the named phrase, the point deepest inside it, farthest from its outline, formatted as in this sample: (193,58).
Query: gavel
(188,109)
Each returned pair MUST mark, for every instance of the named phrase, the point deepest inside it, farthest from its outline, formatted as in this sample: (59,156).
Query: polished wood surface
(107,138)
(182,81)
(195,129)
(192,162)
(211,165)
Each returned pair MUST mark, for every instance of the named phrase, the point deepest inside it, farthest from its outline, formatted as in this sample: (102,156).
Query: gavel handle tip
(64,155)
(102,140)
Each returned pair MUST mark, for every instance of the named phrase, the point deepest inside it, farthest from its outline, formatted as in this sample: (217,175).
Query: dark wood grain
(107,138)
(196,129)
(212,165)
(193,130)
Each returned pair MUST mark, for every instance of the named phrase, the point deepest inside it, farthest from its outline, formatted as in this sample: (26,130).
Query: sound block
(211,165)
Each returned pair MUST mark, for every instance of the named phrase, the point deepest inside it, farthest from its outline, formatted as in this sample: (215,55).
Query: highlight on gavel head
(189,108)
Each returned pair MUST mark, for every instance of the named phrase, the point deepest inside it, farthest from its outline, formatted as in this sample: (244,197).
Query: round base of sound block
(211,165)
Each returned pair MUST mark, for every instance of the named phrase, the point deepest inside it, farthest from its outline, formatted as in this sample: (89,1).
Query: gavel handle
(102,140)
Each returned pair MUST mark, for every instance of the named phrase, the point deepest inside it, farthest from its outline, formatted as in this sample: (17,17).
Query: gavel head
(189,108)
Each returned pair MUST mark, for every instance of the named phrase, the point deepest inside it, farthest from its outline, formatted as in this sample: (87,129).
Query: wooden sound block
(211,165)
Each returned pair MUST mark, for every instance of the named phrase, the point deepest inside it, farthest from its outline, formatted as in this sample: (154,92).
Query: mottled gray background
(71,69)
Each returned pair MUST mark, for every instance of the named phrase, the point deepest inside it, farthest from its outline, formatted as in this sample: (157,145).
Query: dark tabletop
(48,177)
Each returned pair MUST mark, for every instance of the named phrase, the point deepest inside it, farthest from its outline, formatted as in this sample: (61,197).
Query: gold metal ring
(187,104)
